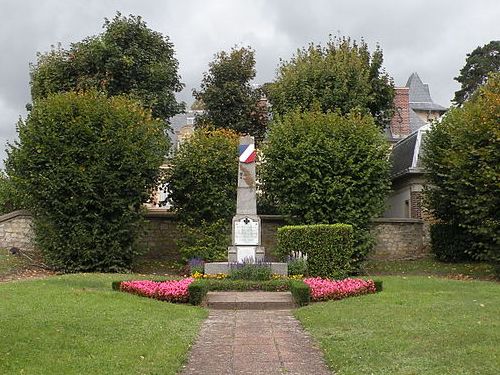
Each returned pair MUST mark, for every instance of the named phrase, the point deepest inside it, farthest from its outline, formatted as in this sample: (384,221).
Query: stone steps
(250,300)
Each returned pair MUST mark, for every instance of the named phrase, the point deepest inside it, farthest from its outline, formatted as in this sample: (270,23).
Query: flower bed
(171,290)
(326,289)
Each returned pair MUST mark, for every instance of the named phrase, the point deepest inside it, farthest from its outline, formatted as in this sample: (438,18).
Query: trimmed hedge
(450,243)
(329,247)
(197,292)
(301,292)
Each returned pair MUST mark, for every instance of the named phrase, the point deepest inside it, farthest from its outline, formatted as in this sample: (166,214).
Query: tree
(478,64)
(202,183)
(462,156)
(324,168)
(229,100)
(10,199)
(127,58)
(86,163)
(342,76)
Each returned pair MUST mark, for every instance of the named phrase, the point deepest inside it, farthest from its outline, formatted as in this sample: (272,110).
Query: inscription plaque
(246,232)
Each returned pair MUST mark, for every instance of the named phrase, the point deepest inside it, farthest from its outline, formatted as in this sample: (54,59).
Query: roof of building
(420,96)
(406,155)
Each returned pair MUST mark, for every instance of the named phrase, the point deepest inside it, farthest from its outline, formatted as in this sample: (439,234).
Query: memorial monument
(246,233)
(246,240)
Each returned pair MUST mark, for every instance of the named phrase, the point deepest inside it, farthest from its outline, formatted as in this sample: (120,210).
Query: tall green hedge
(450,243)
(86,163)
(327,168)
(462,157)
(328,247)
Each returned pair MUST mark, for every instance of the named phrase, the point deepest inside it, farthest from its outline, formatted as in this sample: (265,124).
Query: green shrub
(301,292)
(462,157)
(250,271)
(450,243)
(297,266)
(326,168)
(328,247)
(197,292)
(277,285)
(379,285)
(115,285)
(86,163)
(207,241)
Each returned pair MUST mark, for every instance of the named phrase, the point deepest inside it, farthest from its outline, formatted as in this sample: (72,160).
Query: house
(415,110)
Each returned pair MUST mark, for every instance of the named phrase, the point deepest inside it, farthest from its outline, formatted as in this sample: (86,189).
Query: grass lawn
(417,325)
(75,324)
(10,263)
(429,266)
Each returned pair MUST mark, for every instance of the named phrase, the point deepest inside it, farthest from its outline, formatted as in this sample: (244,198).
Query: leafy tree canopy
(202,182)
(127,58)
(324,168)
(229,99)
(462,155)
(342,76)
(478,64)
(86,163)
(202,177)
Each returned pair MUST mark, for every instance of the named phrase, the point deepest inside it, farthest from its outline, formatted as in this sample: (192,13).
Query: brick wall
(395,238)
(400,122)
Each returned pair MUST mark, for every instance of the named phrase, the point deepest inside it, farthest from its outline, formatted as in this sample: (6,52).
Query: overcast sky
(428,37)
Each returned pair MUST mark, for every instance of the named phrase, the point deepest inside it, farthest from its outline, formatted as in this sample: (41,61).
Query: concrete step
(250,300)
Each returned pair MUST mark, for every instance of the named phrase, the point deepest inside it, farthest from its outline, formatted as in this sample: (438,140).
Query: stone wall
(16,230)
(395,238)
(398,239)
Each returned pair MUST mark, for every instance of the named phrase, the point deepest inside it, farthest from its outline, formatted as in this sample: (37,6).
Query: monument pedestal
(246,244)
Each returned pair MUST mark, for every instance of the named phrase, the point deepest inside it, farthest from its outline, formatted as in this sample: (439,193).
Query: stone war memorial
(246,239)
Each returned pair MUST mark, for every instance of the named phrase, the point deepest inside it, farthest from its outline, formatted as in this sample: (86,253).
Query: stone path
(254,342)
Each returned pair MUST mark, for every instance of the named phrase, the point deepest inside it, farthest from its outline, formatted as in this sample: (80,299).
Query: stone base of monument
(243,254)
(225,267)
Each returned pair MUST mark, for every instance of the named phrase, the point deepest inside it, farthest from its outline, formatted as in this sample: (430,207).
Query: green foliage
(198,289)
(201,183)
(251,271)
(203,176)
(127,58)
(463,160)
(229,100)
(301,292)
(86,163)
(115,285)
(207,241)
(276,285)
(450,243)
(478,64)
(327,168)
(328,247)
(379,285)
(342,76)
(297,266)
(10,198)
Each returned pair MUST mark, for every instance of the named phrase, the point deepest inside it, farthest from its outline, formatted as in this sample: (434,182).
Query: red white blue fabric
(247,153)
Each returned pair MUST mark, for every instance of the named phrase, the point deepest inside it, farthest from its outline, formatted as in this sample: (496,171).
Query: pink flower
(325,289)
(170,290)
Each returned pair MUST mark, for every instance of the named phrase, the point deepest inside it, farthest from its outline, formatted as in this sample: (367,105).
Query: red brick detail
(400,122)
(416,205)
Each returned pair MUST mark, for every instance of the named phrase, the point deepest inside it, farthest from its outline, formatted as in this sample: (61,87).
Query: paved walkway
(254,342)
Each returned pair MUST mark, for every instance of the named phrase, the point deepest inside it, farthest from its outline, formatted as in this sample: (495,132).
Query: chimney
(400,122)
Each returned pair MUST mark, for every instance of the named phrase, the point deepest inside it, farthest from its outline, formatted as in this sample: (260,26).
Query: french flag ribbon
(247,153)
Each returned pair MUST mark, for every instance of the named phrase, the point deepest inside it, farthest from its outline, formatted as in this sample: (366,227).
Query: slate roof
(420,96)
(406,155)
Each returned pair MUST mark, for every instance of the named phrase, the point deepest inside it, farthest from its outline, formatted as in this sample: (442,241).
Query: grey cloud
(430,37)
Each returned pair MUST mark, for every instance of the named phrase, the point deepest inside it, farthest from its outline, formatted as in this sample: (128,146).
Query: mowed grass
(416,325)
(429,266)
(75,324)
